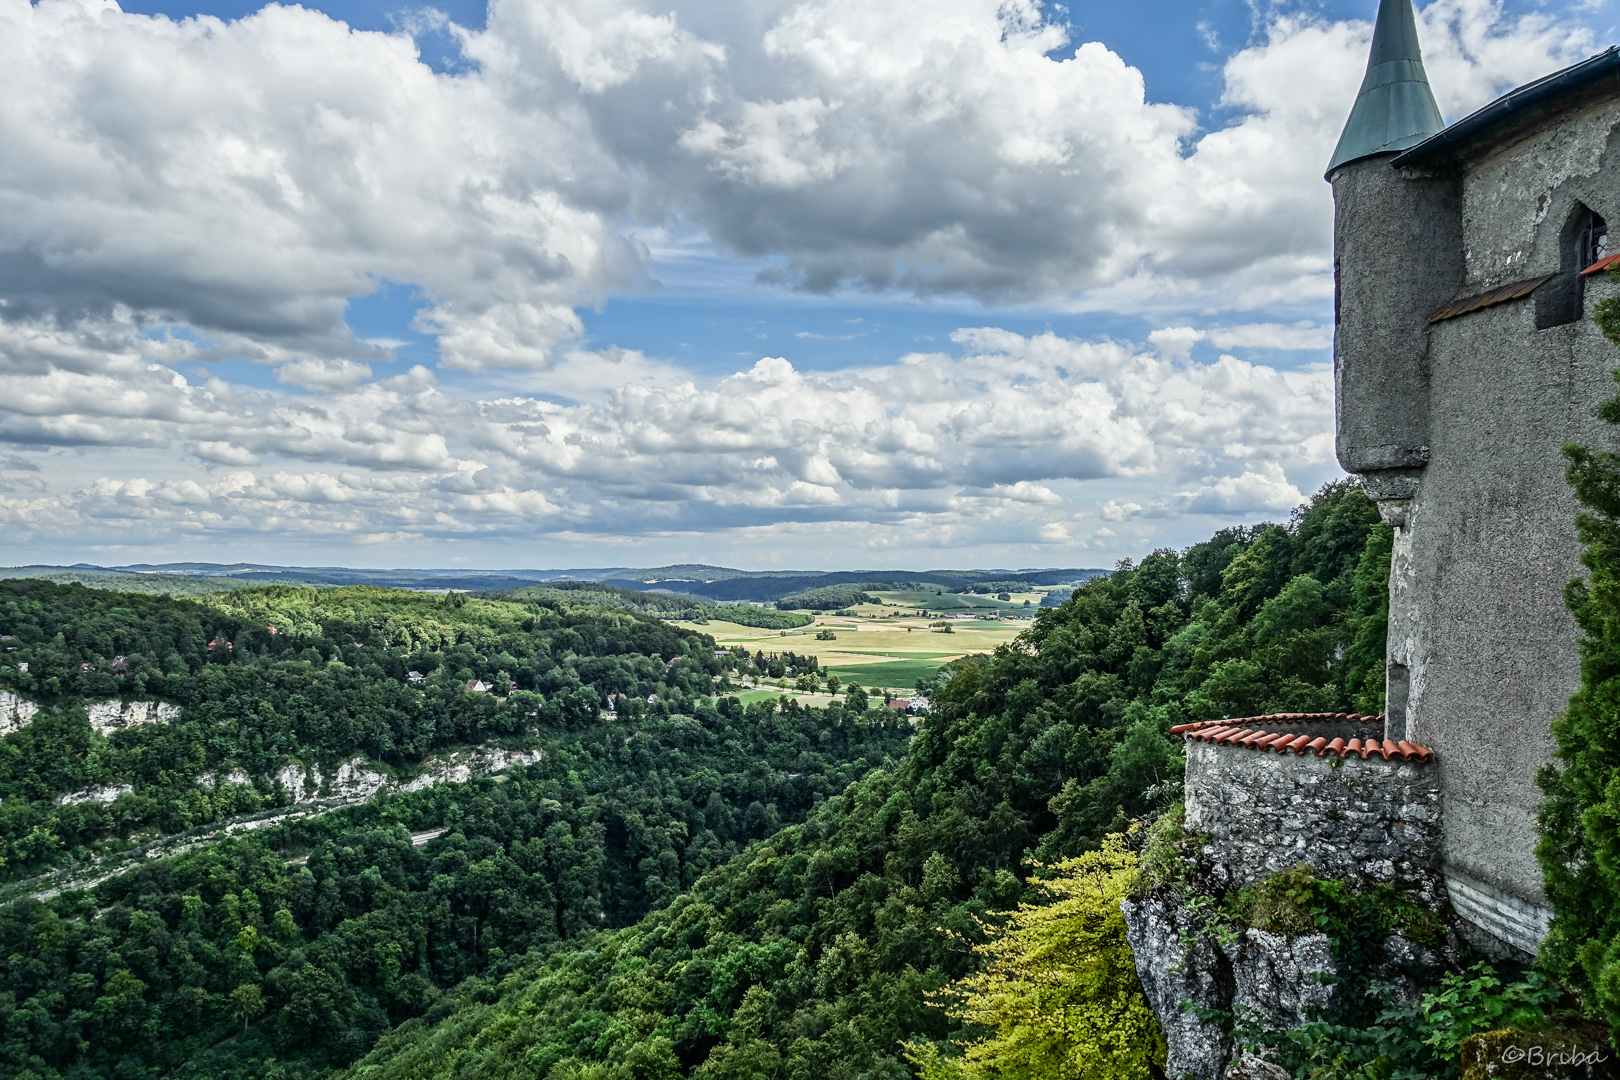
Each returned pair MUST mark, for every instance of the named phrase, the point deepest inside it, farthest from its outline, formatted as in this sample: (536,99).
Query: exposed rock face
(112,715)
(96,794)
(1176,968)
(481,761)
(1277,978)
(214,779)
(15,712)
(1280,978)
(106,716)
(356,781)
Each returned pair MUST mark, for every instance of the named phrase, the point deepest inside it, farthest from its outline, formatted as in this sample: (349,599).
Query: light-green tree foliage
(1058,997)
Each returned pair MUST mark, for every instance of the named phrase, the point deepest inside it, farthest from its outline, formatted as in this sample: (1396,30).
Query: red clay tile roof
(1608,262)
(1271,733)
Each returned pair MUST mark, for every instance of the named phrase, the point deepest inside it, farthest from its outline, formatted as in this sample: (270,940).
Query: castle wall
(1361,821)
(1478,629)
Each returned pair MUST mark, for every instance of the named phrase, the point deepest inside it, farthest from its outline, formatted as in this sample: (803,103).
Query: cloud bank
(179,193)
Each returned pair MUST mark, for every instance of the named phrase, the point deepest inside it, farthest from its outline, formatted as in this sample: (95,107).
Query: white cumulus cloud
(180,195)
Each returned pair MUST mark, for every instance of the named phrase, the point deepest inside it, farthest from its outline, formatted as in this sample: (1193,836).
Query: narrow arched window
(1583,241)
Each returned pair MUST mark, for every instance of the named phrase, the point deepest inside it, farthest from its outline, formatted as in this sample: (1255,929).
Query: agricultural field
(880,651)
(920,600)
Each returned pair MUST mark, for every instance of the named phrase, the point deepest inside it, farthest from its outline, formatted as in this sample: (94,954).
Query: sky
(757,283)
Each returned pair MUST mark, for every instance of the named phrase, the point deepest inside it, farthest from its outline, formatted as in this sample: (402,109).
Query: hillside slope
(811,955)
(286,950)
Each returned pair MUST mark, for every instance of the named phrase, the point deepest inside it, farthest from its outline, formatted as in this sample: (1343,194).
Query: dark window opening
(1336,294)
(1594,240)
(1397,692)
(1584,240)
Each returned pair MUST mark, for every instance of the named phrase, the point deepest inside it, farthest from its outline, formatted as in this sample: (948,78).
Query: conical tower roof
(1396,108)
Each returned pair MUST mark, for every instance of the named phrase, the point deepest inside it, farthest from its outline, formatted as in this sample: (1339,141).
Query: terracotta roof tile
(1272,733)
(1608,262)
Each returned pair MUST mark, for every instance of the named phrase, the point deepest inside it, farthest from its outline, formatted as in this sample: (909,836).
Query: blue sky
(569,283)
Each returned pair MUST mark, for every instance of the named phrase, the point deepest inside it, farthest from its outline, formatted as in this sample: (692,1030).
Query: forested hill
(273,678)
(683,886)
(288,949)
(812,954)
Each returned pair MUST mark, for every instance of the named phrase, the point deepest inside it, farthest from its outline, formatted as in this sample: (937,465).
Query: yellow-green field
(880,652)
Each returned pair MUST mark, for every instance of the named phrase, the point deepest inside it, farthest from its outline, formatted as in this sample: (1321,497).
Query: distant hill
(151,584)
(776,585)
(694,583)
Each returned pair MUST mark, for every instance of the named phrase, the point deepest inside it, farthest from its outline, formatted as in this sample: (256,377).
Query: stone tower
(1397,257)
(1467,260)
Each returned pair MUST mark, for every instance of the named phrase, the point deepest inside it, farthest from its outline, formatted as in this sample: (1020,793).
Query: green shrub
(1580,816)
(1167,853)
(1285,903)
(1425,1041)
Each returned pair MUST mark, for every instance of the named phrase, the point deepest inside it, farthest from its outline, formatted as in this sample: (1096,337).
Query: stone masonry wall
(1361,821)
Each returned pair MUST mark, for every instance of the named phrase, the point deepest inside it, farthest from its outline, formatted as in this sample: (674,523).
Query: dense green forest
(747,615)
(154,584)
(662,605)
(591,592)
(682,886)
(812,954)
(314,936)
(827,598)
(270,676)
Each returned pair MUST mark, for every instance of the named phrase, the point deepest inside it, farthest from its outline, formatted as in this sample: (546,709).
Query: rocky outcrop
(15,712)
(95,794)
(1180,969)
(232,776)
(106,715)
(1189,963)
(462,767)
(113,715)
(1279,981)
(357,780)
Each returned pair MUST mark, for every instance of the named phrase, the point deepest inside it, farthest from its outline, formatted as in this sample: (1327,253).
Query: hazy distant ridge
(716,583)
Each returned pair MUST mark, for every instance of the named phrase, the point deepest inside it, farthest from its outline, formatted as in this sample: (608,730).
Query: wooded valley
(681,886)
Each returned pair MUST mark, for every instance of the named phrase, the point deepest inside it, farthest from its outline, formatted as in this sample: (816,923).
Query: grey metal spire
(1396,108)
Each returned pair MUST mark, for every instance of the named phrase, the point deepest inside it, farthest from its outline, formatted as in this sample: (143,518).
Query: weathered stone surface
(1361,822)
(463,766)
(113,715)
(15,712)
(1249,1067)
(1177,967)
(96,794)
(1276,979)
(106,715)
(356,781)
